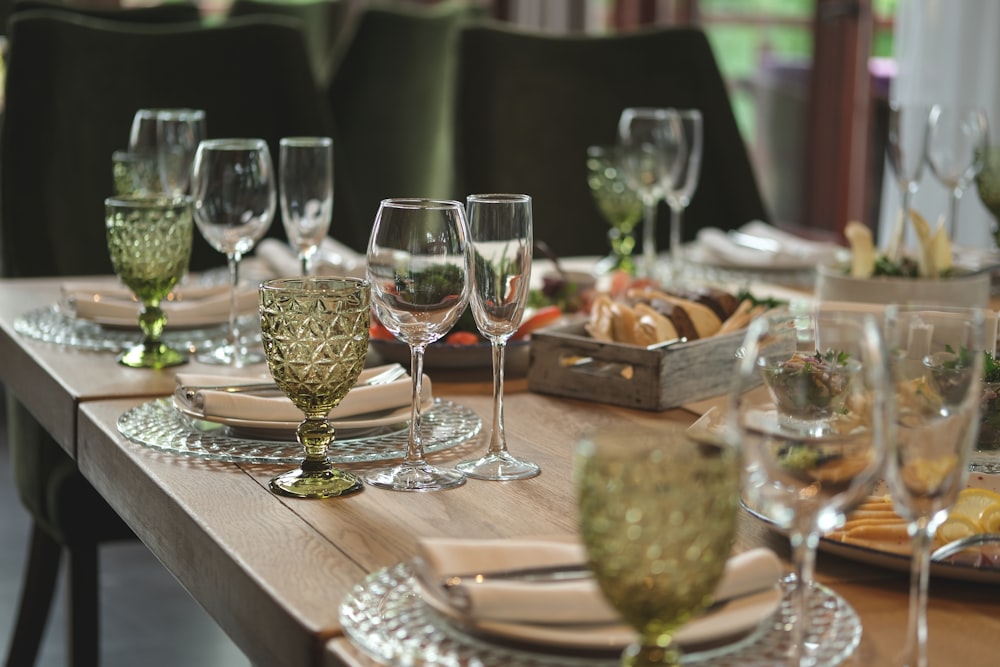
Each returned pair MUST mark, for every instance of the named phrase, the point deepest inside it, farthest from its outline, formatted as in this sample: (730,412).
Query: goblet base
(499,467)
(226,356)
(421,477)
(328,483)
(152,355)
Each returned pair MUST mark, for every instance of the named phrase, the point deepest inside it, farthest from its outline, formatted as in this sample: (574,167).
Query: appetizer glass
(814,440)
(149,239)
(315,336)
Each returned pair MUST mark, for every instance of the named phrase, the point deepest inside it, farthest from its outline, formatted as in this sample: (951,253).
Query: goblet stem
(804,541)
(650,653)
(676,221)
(152,353)
(316,477)
(915,650)
(649,238)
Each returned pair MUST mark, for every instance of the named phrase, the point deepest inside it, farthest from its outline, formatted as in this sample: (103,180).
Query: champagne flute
(906,150)
(315,336)
(500,232)
(172,135)
(936,358)
(149,239)
(419,258)
(617,202)
(658,509)
(684,181)
(234,202)
(810,407)
(956,141)
(649,137)
(306,174)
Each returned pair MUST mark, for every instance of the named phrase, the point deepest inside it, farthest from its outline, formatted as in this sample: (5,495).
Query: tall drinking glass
(936,358)
(306,174)
(315,336)
(234,203)
(617,202)
(811,410)
(419,258)
(685,181)
(172,135)
(906,150)
(956,144)
(658,511)
(149,239)
(650,138)
(500,231)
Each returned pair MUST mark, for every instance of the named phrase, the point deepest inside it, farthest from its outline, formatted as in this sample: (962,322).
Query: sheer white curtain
(947,52)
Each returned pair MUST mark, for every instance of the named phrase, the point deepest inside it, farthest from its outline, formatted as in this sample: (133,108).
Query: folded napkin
(760,245)
(277,407)
(331,259)
(187,306)
(577,601)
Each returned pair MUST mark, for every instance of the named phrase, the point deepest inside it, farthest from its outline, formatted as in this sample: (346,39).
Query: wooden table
(272,570)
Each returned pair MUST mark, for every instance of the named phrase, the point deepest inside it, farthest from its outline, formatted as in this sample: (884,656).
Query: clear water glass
(305,170)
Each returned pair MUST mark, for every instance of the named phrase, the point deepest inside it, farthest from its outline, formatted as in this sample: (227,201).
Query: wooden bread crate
(566,361)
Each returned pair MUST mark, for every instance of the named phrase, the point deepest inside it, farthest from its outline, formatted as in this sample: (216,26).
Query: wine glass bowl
(906,151)
(657,516)
(234,202)
(618,203)
(306,175)
(684,179)
(419,259)
(500,232)
(149,239)
(956,139)
(810,407)
(315,337)
(172,136)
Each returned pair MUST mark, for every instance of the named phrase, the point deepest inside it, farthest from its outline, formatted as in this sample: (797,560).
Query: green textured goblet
(988,185)
(149,239)
(315,336)
(618,203)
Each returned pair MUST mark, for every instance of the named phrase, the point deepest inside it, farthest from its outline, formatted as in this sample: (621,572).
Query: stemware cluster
(951,140)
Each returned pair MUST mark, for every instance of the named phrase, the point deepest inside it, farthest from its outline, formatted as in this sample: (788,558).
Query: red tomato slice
(461,338)
(543,317)
(378,331)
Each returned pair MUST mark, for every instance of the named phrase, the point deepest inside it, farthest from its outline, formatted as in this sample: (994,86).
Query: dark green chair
(73,85)
(322,24)
(530,103)
(392,98)
(167,12)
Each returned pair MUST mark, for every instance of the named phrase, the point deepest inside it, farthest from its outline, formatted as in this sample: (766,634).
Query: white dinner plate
(733,620)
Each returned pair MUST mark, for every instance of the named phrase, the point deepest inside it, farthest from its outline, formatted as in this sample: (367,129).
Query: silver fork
(390,374)
(961,544)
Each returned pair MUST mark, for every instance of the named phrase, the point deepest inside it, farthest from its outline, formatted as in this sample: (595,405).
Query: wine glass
(419,258)
(172,135)
(234,201)
(658,509)
(135,173)
(315,336)
(810,407)
(988,186)
(306,174)
(149,239)
(956,141)
(684,182)
(650,139)
(617,202)
(906,149)
(500,232)
(936,359)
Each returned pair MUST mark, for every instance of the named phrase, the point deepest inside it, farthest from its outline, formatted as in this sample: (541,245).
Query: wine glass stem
(415,447)
(649,238)
(804,543)
(304,261)
(233,260)
(915,651)
(498,439)
(956,197)
(676,220)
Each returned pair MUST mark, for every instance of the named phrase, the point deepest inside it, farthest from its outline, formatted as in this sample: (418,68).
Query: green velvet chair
(392,98)
(167,12)
(530,103)
(73,84)
(323,22)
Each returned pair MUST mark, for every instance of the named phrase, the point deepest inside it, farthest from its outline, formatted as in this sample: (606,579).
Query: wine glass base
(152,356)
(498,467)
(422,477)
(321,484)
(224,356)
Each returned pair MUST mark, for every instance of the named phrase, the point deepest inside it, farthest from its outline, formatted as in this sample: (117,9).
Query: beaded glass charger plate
(386,617)
(53,325)
(159,425)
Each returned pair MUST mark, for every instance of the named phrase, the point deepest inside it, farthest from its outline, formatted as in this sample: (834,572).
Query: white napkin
(786,251)
(576,601)
(187,306)
(279,408)
(332,258)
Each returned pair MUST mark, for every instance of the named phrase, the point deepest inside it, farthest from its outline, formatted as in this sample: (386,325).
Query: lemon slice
(927,475)
(956,527)
(862,249)
(928,268)
(972,504)
(990,518)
